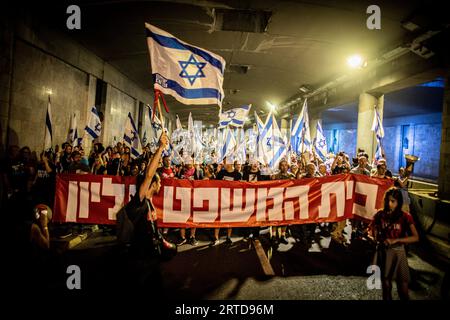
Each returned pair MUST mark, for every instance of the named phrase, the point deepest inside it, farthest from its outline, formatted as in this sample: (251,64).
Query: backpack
(125,227)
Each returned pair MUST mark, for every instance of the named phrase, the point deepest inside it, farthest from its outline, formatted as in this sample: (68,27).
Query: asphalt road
(235,271)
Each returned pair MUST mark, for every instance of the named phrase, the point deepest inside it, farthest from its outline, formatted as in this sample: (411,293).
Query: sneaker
(193,241)
(214,243)
(283,240)
(228,241)
(181,242)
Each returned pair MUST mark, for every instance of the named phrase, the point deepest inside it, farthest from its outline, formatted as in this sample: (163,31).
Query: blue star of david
(156,126)
(134,136)
(198,74)
(322,143)
(231,114)
(97,127)
(268,141)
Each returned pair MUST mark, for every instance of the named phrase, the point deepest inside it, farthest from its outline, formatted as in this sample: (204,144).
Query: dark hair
(75,153)
(140,179)
(397,195)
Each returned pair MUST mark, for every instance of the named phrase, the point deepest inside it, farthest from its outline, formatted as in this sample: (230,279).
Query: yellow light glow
(355,61)
(271,106)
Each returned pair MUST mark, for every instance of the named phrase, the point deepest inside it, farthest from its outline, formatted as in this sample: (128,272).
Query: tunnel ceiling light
(356,61)
(271,106)
(49,92)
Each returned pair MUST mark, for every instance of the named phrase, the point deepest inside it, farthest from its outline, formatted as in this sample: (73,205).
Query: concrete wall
(35,60)
(424,141)
(34,73)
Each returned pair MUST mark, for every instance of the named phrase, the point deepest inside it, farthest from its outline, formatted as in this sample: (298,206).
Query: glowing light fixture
(356,61)
(271,106)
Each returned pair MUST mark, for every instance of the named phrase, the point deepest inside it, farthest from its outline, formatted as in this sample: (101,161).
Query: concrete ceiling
(417,100)
(306,42)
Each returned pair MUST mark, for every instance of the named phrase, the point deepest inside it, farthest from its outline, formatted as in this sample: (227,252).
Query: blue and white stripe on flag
(320,144)
(228,146)
(300,134)
(48,139)
(94,126)
(234,117)
(377,127)
(72,130)
(152,130)
(272,142)
(131,137)
(190,74)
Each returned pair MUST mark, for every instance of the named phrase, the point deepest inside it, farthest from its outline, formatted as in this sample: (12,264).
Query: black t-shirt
(338,169)
(229,176)
(44,187)
(253,176)
(144,234)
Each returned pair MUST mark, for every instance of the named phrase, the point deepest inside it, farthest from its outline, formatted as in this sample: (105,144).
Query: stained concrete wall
(36,59)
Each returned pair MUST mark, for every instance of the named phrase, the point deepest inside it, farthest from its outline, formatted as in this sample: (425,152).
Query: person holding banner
(228,174)
(282,175)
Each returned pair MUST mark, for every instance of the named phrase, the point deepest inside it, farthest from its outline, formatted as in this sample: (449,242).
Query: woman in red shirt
(392,228)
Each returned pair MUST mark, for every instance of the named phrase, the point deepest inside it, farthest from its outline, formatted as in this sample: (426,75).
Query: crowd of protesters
(28,185)
(30,177)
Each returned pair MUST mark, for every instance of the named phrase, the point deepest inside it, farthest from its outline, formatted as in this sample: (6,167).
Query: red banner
(210,203)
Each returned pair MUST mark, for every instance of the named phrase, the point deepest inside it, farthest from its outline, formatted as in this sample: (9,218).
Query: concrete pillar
(444,162)
(366,109)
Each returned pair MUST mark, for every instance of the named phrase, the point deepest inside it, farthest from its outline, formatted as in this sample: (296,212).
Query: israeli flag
(152,130)
(190,74)
(300,134)
(94,126)
(234,117)
(77,141)
(320,144)
(272,143)
(259,152)
(377,127)
(48,139)
(241,153)
(72,129)
(228,146)
(131,137)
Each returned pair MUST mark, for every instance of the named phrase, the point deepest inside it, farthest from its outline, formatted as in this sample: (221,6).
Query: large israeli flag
(190,74)
(272,142)
(48,138)
(377,127)
(320,145)
(94,126)
(131,137)
(234,117)
(300,134)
